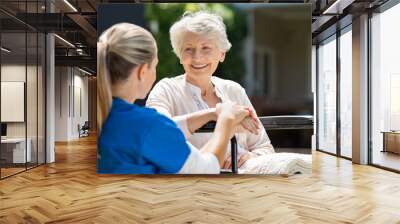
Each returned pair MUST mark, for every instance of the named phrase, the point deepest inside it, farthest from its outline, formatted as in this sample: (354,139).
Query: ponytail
(104,95)
(120,49)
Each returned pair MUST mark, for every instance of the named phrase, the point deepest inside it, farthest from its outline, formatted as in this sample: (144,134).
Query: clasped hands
(247,121)
(246,118)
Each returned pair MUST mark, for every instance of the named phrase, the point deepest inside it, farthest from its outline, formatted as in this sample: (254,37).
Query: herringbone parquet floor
(70,191)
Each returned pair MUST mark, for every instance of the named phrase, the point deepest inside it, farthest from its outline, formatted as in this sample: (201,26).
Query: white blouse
(175,97)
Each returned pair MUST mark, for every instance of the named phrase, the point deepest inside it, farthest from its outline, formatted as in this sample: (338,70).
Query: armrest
(288,122)
(209,127)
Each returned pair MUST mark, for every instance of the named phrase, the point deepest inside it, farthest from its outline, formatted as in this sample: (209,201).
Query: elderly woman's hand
(232,111)
(250,123)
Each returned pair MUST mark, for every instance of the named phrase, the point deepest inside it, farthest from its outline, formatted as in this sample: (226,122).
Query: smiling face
(200,55)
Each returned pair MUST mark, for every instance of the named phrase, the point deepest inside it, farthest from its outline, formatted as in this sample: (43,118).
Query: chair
(269,123)
(209,127)
(84,130)
(288,122)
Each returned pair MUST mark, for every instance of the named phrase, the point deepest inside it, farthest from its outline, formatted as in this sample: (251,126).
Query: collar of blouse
(195,92)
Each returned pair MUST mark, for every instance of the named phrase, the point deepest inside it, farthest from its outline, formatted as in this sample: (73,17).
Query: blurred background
(270,55)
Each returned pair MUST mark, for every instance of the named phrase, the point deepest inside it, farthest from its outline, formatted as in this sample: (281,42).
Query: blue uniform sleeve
(165,146)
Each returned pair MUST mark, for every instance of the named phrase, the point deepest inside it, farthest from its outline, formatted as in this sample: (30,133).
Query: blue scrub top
(139,140)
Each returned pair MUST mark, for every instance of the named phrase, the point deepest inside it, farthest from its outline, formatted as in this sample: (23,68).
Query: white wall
(71,94)
(33,127)
(16,73)
(81,85)
(61,103)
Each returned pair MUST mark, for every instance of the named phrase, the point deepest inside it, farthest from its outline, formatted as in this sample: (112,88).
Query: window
(385,85)
(327,95)
(346,92)
(22,77)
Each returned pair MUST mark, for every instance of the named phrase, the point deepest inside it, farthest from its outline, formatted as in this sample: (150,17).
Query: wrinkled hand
(244,116)
(241,160)
(250,123)
(232,110)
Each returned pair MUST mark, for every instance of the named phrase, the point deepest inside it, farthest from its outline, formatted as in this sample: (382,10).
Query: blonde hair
(203,23)
(120,49)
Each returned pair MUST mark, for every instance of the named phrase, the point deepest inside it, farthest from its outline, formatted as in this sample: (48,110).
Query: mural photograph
(196,88)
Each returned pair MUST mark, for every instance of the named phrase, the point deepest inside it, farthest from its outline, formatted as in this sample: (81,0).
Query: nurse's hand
(232,111)
(230,115)
(250,123)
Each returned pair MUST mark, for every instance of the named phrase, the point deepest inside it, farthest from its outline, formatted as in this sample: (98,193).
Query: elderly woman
(200,42)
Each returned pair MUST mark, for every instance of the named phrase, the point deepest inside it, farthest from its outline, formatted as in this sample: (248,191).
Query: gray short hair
(203,23)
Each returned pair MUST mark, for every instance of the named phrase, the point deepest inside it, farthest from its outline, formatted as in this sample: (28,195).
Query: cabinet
(391,141)
(13,150)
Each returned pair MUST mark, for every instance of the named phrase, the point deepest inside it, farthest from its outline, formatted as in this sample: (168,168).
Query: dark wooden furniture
(391,141)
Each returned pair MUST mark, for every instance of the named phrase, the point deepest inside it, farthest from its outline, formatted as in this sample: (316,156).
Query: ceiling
(76,22)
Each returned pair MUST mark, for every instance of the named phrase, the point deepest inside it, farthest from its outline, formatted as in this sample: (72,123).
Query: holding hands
(244,118)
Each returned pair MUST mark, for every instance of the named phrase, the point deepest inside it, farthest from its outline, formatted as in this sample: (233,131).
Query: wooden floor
(5,172)
(70,191)
(10,171)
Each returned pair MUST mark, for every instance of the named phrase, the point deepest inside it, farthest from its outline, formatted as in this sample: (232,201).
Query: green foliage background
(160,18)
